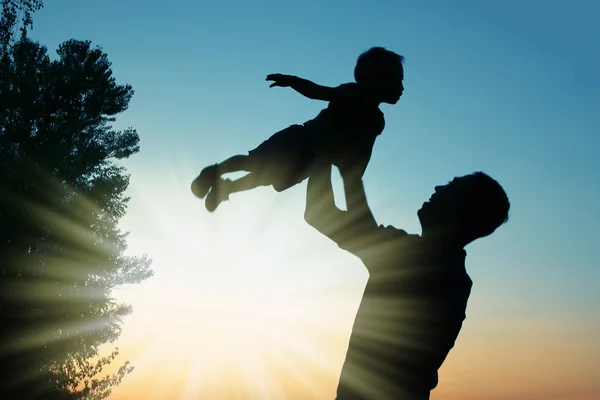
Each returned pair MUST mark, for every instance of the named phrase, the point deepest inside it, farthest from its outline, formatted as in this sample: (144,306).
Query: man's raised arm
(343,227)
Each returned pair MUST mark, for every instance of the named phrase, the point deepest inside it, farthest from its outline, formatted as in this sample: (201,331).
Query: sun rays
(246,303)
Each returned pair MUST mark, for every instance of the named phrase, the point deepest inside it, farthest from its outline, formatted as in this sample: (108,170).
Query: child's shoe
(201,185)
(217,194)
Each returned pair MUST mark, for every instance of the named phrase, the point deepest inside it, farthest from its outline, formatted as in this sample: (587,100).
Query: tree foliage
(62,195)
(17,14)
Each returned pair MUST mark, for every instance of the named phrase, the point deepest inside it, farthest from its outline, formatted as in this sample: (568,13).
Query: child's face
(392,86)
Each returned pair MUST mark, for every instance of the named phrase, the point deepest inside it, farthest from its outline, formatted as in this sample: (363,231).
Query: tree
(61,198)
(16,13)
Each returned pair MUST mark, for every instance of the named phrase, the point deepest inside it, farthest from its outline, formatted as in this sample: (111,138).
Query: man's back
(410,315)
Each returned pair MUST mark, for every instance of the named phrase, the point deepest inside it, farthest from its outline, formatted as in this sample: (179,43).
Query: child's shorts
(285,158)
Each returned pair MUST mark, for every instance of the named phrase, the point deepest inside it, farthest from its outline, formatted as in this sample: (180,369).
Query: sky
(250,301)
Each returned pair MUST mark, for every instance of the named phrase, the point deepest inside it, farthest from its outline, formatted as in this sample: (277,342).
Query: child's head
(382,72)
(467,208)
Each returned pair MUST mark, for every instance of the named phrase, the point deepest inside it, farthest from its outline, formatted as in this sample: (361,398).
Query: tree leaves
(14,13)
(61,198)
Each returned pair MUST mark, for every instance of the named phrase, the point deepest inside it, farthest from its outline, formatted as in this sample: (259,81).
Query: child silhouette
(343,133)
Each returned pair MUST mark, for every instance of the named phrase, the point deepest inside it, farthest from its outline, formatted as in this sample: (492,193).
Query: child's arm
(303,86)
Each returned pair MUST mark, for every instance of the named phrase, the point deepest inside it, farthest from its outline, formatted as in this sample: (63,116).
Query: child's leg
(234,164)
(224,187)
(209,175)
(246,182)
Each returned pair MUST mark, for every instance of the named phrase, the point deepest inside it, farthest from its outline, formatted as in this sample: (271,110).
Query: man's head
(382,72)
(466,209)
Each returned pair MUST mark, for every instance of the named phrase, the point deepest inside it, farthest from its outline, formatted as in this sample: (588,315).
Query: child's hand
(280,80)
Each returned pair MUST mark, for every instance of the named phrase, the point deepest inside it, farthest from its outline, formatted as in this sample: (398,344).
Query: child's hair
(376,61)
(484,206)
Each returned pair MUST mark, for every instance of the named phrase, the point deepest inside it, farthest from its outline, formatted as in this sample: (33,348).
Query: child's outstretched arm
(303,86)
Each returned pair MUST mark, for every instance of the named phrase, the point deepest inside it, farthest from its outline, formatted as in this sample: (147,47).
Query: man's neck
(443,239)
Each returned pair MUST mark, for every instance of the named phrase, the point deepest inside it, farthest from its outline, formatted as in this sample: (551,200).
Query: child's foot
(208,176)
(217,194)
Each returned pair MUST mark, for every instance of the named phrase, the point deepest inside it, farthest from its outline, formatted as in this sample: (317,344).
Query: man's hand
(353,163)
(280,80)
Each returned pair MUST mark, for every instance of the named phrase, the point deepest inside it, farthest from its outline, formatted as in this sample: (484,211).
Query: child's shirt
(348,126)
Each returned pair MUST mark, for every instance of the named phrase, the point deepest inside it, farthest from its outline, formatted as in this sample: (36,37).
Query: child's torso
(348,121)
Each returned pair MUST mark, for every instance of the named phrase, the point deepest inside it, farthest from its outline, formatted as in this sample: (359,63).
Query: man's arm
(343,227)
(354,230)
(352,172)
(356,198)
(321,212)
(304,87)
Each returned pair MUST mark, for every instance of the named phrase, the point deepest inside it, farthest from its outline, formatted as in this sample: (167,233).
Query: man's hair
(484,206)
(375,62)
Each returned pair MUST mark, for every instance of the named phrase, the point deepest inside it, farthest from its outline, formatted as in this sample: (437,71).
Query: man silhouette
(415,299)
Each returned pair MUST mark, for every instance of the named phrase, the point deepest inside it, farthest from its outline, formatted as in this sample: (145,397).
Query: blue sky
(508,88)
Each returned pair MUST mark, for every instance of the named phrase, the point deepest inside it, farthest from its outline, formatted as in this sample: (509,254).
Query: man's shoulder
(391,233)
(401,233)
(384,247)
(377,239)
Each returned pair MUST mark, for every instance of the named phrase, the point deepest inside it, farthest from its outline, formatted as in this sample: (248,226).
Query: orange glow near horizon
(237,347)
